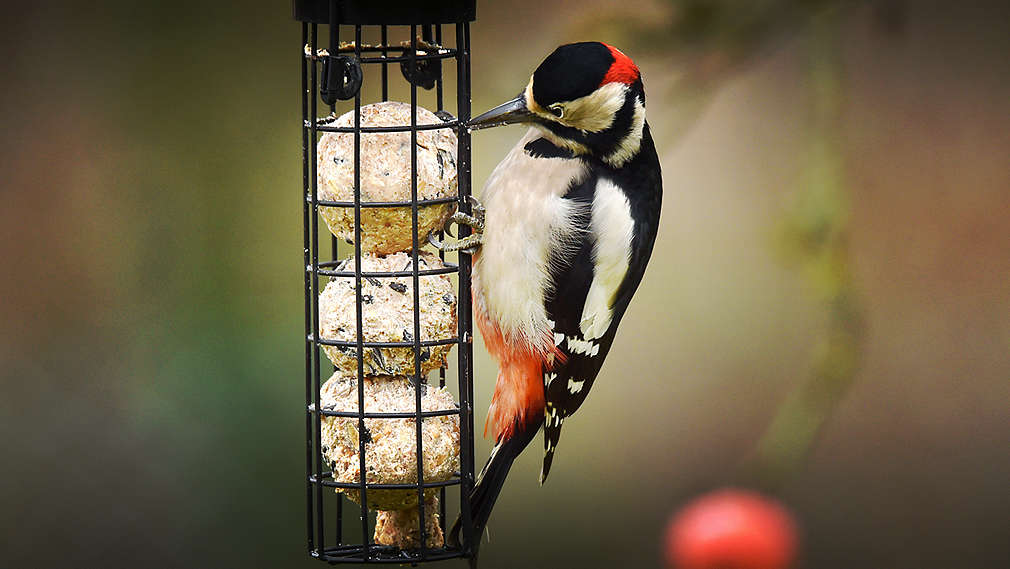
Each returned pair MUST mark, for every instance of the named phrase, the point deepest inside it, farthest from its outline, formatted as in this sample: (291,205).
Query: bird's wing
(590,296)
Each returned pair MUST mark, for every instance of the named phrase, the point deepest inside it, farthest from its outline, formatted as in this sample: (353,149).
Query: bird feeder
(387,447)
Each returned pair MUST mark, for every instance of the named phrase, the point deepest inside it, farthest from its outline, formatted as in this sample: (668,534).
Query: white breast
(526,220)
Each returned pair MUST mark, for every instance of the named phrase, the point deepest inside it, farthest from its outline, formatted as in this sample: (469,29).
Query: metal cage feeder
(340,72)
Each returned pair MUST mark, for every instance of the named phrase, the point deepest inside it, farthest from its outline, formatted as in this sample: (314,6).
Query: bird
(560,239)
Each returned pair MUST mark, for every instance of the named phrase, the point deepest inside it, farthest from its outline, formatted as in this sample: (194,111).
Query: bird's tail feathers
(553,420)
(490,481)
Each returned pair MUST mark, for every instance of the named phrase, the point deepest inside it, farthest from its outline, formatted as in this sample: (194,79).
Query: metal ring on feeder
(425,72)
(341,78)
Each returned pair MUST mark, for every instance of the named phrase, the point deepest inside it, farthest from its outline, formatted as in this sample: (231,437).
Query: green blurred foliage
(814,236)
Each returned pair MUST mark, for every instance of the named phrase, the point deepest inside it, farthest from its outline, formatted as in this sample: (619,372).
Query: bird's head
(585,97)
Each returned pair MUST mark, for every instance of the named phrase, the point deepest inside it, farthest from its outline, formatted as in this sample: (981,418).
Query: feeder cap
(390,12)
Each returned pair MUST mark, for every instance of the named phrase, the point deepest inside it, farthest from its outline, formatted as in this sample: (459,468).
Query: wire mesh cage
(359,61)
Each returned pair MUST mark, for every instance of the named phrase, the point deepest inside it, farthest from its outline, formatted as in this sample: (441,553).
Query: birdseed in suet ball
(387,315)
(385,176)
(390,444)
(399,528)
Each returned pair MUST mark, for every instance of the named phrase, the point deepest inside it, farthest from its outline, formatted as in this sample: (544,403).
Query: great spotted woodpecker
(568,225)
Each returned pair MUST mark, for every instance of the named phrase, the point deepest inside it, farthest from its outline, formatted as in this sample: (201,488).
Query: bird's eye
(557,110)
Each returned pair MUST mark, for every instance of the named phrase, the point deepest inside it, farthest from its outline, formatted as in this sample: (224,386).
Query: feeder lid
(389,12)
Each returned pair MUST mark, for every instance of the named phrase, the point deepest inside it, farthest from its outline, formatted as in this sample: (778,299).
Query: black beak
(512,112)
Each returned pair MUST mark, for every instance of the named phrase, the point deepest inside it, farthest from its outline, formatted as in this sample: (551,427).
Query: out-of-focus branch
(814,238)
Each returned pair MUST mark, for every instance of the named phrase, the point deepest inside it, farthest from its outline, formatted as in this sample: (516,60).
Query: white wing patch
(585,347)
(575,386)
(613,229)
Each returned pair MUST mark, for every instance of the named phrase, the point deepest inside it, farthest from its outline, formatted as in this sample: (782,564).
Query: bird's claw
(476,206)
(470,243)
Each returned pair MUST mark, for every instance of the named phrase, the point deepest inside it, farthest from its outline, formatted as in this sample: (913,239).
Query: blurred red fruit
(731,529)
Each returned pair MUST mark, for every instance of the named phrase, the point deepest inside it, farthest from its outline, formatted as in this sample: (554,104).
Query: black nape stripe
(543,148)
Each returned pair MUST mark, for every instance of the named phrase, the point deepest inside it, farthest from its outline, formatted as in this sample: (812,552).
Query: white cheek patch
(613,228)
(596,111)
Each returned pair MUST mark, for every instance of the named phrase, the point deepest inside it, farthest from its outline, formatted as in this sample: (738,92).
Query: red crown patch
(622,70)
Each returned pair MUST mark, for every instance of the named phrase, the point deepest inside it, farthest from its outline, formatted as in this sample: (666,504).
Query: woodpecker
(568,223)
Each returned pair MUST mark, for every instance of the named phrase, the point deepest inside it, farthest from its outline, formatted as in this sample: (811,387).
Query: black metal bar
(400,58)
(432,201)
(340,519)
(415,250)
(468,332)
(439,104)
(384,42)
(383,59)
(409,485)
(323,127)
(384,554)
(352,343)
(334,42)
(438,82)
(376,486)
(309,346)
(314,232)
(360,330)
(465,353)
(388,414)
(449,268)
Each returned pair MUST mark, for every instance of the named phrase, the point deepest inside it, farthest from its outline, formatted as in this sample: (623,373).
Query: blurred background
(826,316)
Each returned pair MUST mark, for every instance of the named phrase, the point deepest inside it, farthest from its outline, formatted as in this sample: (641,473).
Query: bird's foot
(468,244)
(475,222)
